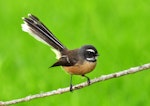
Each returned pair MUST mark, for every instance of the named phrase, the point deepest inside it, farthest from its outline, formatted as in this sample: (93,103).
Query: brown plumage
(76,62)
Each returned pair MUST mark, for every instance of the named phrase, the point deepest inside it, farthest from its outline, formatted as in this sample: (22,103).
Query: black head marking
(89,53)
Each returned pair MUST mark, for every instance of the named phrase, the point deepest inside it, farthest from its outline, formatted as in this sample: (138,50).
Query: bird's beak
(96,54)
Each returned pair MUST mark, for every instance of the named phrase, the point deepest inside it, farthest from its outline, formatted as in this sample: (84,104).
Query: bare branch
(79,86)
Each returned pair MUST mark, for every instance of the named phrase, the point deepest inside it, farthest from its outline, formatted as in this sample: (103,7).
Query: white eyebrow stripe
(90,50)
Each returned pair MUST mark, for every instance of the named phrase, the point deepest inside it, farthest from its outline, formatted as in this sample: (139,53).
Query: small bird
(79,61)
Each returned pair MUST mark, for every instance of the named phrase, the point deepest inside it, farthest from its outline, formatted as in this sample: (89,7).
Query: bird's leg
(88,79)
(71,89)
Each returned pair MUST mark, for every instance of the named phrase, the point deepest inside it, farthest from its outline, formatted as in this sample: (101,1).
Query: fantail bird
(76,62)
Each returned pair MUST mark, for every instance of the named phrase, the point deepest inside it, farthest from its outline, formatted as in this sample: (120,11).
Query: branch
(79,86)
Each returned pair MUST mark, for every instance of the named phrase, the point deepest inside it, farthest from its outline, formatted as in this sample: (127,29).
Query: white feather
(27,29)
(58,55)
(90,50)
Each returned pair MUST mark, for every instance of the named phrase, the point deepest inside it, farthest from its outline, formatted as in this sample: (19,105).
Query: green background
(119,29)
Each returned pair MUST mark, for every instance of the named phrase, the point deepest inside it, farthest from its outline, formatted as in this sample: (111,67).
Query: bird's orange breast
(82,69)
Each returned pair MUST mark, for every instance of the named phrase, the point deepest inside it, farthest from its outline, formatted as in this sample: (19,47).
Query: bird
(78,61)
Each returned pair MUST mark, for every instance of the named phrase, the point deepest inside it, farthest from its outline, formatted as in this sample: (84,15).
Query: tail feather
(38,30)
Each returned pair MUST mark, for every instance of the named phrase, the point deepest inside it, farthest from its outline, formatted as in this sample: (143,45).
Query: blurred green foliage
(120,30)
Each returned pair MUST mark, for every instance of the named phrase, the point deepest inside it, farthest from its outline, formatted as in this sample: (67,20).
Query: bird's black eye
(90,54)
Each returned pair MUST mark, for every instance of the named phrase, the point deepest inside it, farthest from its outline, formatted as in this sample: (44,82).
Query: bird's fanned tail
(38,30)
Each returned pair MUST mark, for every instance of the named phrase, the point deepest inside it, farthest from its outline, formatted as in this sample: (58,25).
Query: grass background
(119,29)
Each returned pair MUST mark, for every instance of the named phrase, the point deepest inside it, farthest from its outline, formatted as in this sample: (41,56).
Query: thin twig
(79,86)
